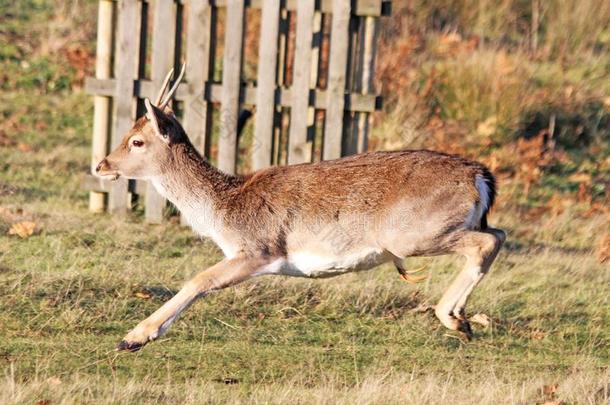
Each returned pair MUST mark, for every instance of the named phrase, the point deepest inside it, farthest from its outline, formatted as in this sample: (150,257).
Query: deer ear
(152,117)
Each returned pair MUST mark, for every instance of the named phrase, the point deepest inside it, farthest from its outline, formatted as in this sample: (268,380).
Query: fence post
(127,53)
(231,85)
(197,111)
(366,78)
(355,137)
(101,104)
(297,142)
(164,39)
(339,45)
(266,84)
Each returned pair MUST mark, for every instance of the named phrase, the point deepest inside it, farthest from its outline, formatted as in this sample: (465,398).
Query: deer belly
(319,265)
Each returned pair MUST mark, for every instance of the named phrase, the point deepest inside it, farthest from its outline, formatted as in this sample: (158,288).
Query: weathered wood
(316,45)
(231,85)
(197,110)
(319,98)
(288,92)
(98,185)
(125,70)
(366,78)
(349,143)
(278,150)
(321,82)
(163,44)
(361,7)
(266,84)
(101,104)
(297,141)
(333,130)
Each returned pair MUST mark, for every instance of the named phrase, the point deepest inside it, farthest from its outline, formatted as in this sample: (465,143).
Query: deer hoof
(129,346)
(465,330)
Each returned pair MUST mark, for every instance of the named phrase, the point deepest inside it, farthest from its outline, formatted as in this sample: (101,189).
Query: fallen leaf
(143,295)
(550,390)
(24,147)
(549,393)
(23,229)
(481,319)
(537,335)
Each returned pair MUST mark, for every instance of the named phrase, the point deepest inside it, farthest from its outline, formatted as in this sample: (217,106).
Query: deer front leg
(224,274)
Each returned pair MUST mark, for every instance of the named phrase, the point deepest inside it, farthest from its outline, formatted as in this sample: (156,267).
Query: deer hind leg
(480,250)
(224,274)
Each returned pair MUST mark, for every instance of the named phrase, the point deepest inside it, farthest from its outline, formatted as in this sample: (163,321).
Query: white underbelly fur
(315,265)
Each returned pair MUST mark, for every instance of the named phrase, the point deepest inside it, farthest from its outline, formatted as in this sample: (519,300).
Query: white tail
(313,220)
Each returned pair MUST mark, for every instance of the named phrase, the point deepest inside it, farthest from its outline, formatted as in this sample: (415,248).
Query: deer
(313,220)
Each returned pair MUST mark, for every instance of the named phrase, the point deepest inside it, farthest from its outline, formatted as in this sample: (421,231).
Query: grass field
(74,288)
(71,290)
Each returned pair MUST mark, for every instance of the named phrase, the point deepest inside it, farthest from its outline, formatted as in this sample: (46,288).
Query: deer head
(147,148)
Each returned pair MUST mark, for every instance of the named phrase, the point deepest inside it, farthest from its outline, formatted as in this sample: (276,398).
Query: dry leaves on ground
(481,319)
(23,229)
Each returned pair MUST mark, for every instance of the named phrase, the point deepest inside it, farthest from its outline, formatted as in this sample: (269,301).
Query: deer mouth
(112,176)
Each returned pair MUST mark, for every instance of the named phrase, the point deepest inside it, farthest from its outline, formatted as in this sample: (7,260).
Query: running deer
(314,219)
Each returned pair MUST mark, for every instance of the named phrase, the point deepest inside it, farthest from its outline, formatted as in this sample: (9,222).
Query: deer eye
(137,143)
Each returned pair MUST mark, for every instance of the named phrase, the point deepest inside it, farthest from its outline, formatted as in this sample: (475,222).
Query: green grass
(72,290)
(69,295)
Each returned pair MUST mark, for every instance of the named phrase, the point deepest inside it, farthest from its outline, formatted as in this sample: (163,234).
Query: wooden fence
(311,97)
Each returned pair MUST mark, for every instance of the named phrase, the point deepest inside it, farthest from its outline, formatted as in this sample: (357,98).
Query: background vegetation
(480,78)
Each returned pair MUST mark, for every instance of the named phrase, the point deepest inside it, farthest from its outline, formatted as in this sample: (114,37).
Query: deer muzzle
(104,169)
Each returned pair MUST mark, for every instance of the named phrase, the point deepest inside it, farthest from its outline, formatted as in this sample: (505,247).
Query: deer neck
(196,188)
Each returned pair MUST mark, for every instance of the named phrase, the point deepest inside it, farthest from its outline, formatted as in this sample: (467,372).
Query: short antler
(171,92)
(164,86)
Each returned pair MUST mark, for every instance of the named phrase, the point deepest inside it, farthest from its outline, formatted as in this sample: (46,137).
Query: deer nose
(101,165)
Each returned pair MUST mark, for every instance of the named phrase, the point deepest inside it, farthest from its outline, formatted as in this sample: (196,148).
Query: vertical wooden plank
(163,47)
(281,79)
(231,84)
(339,46)
(197,111)
(101,105)
(199,68)
(315,63)
(322,83)
(366,78)
(299,109)
(350,128)
(125,71)
(266,84)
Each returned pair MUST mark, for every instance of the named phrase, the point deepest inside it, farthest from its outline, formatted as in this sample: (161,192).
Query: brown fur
(264,206)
